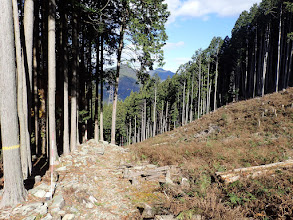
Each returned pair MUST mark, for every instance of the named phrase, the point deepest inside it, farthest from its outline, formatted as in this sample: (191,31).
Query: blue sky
(193,24)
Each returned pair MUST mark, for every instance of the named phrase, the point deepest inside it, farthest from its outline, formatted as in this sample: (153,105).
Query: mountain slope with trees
(244,134)
(256,60)
(163,74)
(53,58)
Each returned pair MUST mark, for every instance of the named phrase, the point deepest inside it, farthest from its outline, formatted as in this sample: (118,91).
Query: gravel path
(89,186)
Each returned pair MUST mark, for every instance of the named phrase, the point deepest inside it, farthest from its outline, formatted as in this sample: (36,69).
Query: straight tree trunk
(187,107)
(28,21)
(290,64)
(279,52)
(36,109)
(246,71)
(162,115)
(52,80)
(97,89)
(66,149)
(115,99)
(142,125)
(129,139)
(209,97)
(191,100)
(255,65)
(102,91)
(199,89)
(166,117)
(36,70)
(286,71)
(154,112)
(145,119)
(216,81)
(138,135)
(74,130)
(20,73)
(208,89)
(288,60)
(135,134)
(26,117)
(22,101)
(183,103)
(265,61)
(14,191)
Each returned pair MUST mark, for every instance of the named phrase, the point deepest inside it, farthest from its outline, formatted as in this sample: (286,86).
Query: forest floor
(240,135)
(89,185)
(175,175)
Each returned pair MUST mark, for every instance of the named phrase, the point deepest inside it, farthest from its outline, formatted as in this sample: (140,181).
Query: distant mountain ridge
(163,74)
(128,81)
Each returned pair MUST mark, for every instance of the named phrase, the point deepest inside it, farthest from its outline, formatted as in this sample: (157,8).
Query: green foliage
(84,115)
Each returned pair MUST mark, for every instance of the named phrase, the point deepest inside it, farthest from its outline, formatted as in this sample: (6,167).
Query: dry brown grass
(253,132)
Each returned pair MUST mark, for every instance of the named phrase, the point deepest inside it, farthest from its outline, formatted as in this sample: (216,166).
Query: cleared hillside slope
(248,133)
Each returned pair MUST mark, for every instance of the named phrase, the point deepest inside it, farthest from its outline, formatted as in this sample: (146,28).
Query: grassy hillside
(244,134)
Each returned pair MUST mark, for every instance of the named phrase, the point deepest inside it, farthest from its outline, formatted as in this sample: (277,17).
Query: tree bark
(145,120)
(246,71)
(191,100)
(129,139)
(183,103)
(208,89)
(216,81)
(115,99)
(166,117)
(265,61)
(162,116)
(290,65)
(97,88)
(20,73)
(74,130)
(279,52)
(14,191)
(154,112)
(52,80)
(102,91)
(255,65)
(135,136)
(28,21)
(187,107)
(199,89)
(66,149)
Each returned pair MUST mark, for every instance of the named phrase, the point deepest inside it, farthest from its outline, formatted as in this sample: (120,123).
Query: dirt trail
(89,186)
(90,174)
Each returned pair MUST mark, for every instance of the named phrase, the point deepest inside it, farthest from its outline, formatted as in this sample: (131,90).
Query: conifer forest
(59,58)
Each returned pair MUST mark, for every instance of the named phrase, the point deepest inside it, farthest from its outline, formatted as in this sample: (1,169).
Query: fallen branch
(252,172)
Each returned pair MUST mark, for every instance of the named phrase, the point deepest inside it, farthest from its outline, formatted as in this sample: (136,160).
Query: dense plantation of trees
(256,60)
(55,90)
(61,48)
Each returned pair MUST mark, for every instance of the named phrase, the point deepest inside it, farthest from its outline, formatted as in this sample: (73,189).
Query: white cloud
(203,8)
(181,60)
(171,46)
(173,63)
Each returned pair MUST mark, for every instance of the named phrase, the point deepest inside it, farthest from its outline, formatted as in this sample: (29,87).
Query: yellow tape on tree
(11,147)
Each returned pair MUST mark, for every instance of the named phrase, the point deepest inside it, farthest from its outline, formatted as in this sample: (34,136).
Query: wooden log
(252,172)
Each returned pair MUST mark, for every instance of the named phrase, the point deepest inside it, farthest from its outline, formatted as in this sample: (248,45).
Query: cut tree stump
(253,172)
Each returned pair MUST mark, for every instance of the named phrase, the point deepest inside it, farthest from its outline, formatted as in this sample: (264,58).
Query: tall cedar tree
(14,191)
